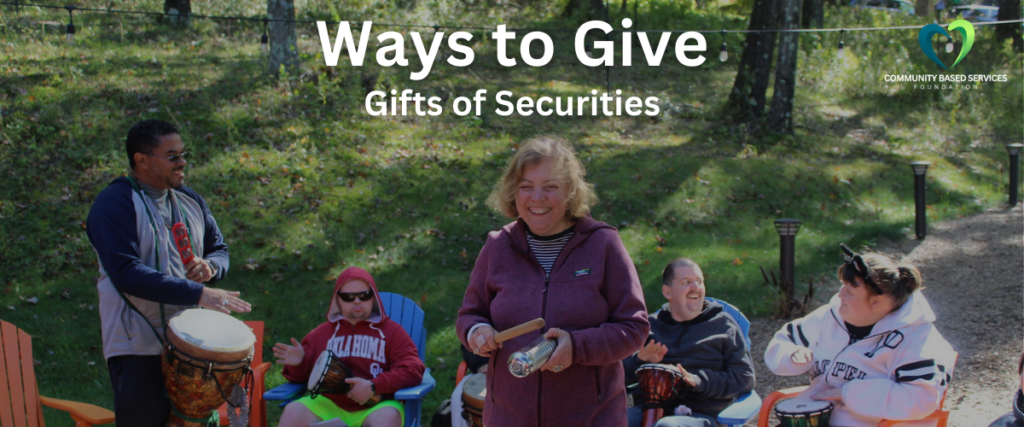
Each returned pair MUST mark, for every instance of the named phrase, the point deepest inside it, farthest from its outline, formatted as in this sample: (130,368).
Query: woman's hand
(833,394)
(802,356)
(481,341)
(561,358)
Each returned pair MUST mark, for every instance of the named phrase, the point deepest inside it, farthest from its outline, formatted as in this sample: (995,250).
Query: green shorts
(327,410)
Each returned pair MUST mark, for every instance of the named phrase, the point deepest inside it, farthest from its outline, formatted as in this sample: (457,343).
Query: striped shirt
(546,248)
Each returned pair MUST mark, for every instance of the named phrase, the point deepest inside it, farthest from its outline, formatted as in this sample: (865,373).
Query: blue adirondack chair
(410,316)
(746,406)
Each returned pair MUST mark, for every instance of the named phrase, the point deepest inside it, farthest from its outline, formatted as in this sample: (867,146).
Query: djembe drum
(474,391)
(328,377)
(803,412)
(657,386)
(207,355)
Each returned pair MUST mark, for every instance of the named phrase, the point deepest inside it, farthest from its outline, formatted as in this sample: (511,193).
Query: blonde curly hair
(580,195)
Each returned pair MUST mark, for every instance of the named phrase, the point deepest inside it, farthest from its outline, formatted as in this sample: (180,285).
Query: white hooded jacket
(899,372)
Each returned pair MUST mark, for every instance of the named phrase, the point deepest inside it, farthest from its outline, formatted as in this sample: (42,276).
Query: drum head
(474,391)
(211,331)
(802,406)
(318,369)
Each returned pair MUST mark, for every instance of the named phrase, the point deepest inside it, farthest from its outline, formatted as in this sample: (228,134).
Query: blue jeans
(635,415)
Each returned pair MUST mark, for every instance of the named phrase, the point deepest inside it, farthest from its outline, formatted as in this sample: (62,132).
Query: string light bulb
(589,47)
(724,54)
(842,46)
(71,25)
(264,40)
(949,45)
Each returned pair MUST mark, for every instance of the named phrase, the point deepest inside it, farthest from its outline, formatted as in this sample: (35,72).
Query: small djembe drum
(657,386)
(328,377)
(803,412)
(207,355)
(474,391)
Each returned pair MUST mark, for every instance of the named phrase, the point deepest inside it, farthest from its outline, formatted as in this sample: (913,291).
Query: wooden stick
(516,331)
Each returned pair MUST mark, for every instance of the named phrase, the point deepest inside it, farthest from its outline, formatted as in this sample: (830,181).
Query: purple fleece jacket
(593,293)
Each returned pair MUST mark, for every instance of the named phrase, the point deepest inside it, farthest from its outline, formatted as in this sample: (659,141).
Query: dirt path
(973,270)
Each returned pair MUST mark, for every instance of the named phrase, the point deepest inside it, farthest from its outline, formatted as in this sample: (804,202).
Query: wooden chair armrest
(91,414)
(772,399)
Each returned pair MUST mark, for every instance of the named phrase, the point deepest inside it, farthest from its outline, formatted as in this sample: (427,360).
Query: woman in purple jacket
(556,263)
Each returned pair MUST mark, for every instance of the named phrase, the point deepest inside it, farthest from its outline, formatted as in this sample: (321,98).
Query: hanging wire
(17,3)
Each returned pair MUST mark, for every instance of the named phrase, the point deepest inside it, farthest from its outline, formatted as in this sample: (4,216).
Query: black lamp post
(787,228)
(1014,150)
(920,223)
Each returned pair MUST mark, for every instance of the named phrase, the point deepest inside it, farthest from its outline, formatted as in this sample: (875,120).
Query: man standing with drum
(703,342)
(376,350)
(143,278)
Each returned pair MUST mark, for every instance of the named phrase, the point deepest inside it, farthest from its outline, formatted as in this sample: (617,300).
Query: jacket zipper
(540,379)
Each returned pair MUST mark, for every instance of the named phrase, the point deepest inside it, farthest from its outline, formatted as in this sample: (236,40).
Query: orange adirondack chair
(258,413)
(940,415)
(20,402)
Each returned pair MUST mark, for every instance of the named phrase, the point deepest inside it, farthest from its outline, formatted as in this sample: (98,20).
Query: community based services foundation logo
(945,81)
(924,38)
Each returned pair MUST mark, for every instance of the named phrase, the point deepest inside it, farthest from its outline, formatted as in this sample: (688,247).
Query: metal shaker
(530,358)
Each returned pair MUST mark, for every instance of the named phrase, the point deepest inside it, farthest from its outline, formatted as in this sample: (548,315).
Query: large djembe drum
(657,386)
(207,355)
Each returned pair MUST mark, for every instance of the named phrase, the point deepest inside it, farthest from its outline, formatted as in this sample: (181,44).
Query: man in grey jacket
(143,281)
(701,340)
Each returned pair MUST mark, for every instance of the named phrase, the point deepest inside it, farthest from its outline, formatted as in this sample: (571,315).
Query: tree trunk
(923,8)
(747,98)
(181,8)
(1009,10)
(813,14)
(593,9)
(283,48)
(780,116)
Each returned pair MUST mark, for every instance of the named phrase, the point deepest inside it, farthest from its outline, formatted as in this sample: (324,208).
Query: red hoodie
(377,348)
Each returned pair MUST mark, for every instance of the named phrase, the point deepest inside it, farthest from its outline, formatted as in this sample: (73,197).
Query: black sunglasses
(352,296)
(855,261)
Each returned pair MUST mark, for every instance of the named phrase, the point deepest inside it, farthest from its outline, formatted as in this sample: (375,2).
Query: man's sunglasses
(855,261)
(174,158)
(351,296)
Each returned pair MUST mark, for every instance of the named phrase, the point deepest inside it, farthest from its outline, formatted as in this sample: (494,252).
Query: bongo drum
(328,376)
(207,355)
(803,412)
(474,391)
(657,386)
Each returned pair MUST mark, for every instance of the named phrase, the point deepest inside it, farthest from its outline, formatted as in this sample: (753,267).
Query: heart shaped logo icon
(924,38)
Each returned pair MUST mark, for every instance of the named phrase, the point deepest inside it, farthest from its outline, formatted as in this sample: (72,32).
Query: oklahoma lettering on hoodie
(377,349)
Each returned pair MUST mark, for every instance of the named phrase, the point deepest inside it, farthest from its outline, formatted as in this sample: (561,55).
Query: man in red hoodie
(380,354)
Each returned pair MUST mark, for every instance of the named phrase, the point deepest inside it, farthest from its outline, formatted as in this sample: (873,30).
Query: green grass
(304,184)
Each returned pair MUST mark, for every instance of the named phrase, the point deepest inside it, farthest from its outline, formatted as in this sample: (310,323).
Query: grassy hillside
(304,183)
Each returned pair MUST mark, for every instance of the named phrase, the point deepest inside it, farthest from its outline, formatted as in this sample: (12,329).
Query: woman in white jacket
(873,350)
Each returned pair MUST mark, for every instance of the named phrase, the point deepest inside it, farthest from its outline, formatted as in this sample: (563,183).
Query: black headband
(855,261)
